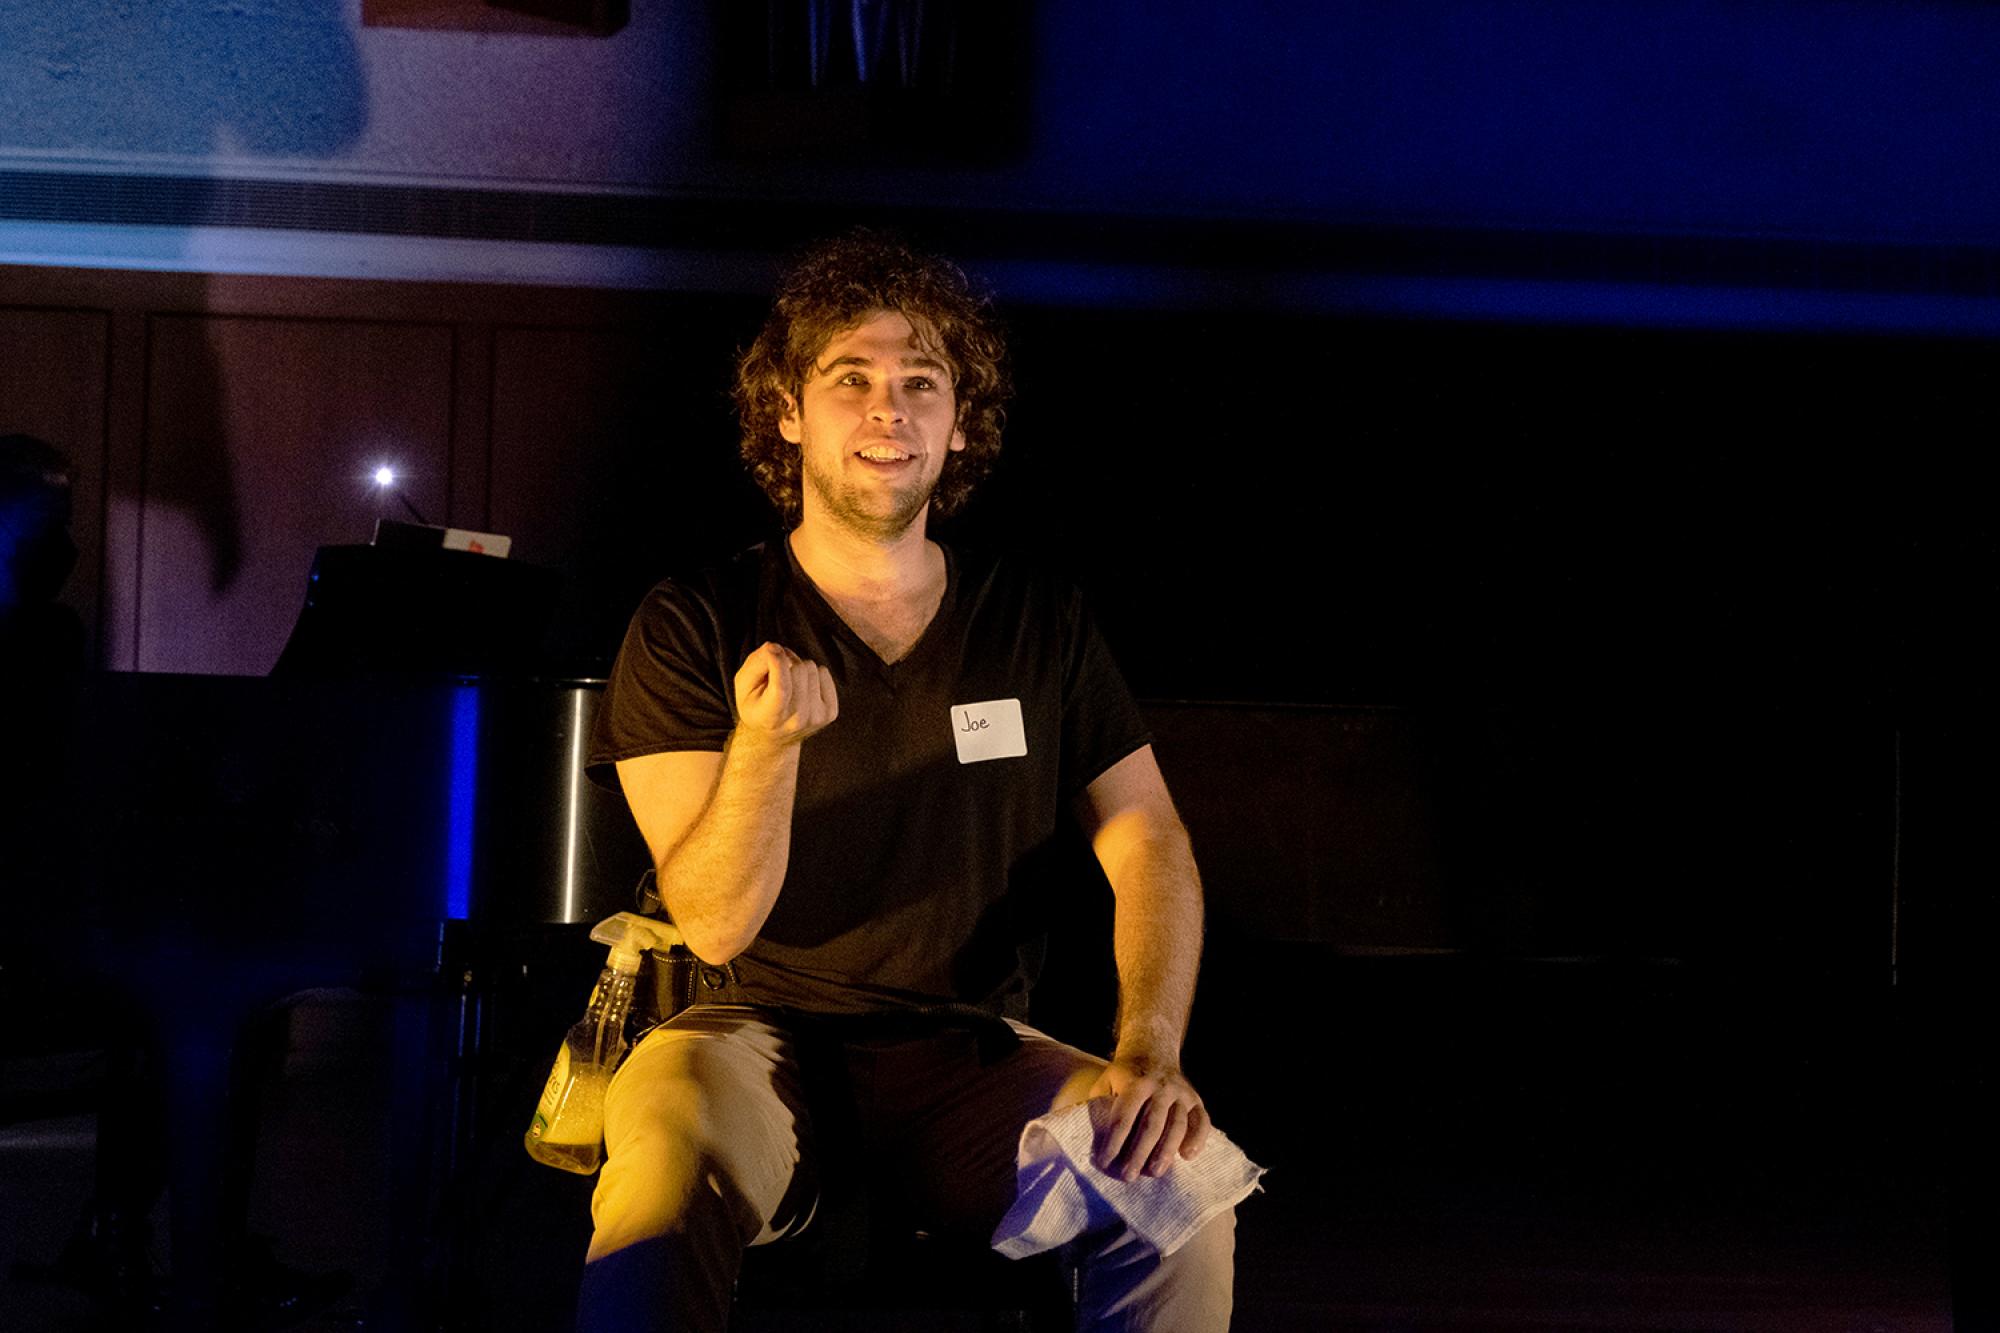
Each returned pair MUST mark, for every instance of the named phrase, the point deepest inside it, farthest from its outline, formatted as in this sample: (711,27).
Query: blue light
(464,798)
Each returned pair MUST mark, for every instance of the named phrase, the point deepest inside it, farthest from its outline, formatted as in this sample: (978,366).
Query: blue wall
(1814,117)
(191,82)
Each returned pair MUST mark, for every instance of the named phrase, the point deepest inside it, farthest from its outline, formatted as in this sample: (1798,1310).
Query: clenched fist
(781,698)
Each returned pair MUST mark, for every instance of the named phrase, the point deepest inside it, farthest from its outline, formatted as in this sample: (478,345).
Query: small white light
(385,475)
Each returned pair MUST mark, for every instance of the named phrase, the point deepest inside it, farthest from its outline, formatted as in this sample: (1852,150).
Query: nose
(886,402)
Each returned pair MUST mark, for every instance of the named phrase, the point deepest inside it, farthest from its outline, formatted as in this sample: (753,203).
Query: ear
(957,444)
(788,420)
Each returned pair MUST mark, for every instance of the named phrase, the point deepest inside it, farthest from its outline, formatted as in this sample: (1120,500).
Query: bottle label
(552,1095)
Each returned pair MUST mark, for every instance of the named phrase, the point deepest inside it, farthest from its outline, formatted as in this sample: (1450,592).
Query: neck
(849,563)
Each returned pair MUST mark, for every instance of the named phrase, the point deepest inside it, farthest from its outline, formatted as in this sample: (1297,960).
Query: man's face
(877,418)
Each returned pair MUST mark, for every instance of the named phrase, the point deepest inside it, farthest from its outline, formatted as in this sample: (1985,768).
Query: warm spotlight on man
(841,747)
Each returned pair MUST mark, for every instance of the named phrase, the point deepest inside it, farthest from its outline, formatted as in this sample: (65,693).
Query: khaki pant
(711,1148)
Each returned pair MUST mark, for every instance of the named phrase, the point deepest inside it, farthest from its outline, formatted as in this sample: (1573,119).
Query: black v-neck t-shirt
(913,876)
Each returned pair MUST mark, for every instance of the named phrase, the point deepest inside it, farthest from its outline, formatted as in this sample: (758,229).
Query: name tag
(992,730)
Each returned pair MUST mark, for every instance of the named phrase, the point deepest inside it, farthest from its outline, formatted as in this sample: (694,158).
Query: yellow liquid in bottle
(570,1133)
(582,1158)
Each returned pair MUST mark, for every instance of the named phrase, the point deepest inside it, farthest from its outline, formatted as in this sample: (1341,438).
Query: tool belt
(678,979)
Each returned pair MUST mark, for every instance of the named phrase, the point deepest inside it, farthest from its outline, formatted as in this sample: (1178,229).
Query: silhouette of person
(40,638)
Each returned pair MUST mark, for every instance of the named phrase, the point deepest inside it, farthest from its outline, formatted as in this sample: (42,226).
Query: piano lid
(333,807)
(422,611)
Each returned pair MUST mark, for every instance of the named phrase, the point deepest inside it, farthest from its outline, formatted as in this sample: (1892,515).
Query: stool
(910,1282)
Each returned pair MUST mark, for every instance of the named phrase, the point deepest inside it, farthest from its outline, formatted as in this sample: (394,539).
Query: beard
(876,512)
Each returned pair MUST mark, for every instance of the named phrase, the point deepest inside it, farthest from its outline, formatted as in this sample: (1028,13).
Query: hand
(1157,1117)
(781,698)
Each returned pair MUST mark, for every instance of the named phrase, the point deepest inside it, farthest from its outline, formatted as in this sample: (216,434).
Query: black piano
(398,810)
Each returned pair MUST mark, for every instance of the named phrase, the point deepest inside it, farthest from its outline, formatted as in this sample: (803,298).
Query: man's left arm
(1156,939)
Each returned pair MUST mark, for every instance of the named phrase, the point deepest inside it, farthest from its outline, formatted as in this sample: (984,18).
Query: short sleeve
(669,687)
(1101,722)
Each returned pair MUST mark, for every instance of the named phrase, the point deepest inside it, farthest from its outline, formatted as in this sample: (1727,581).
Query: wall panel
(225,419)
(613,459)
(261,434)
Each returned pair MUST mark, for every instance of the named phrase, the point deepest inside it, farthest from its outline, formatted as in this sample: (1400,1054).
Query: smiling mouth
(883,453)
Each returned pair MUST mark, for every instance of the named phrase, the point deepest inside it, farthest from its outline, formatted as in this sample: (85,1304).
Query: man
(842,750)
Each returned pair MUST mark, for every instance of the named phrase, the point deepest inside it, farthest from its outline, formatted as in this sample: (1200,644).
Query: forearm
(1156,1115)
(720,882)
(1156,940)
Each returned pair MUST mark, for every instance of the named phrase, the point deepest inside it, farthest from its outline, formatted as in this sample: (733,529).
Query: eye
(853,379)
(921,382)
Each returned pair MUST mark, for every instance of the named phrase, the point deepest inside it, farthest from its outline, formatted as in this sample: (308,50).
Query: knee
(1127,1283)
(690,1148)
(1211,1249)
(664,1171)
(1210,1254)
(647,1195)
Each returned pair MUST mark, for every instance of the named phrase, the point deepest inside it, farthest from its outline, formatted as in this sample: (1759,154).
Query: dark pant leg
(965,1127)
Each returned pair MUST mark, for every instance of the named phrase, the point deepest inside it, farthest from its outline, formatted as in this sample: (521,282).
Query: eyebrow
(907,363)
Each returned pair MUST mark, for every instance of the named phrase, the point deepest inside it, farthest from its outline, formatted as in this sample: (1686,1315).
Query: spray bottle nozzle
(631,935)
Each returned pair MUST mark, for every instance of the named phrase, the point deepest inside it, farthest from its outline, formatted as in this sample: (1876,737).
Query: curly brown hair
(834,287)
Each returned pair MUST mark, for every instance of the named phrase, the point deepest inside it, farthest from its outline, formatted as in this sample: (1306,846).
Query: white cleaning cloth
(1060,1193)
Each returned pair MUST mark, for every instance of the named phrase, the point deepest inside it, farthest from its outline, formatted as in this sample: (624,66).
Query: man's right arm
(719,826)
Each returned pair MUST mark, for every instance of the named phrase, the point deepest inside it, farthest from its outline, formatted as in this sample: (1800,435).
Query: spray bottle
(568,1128)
